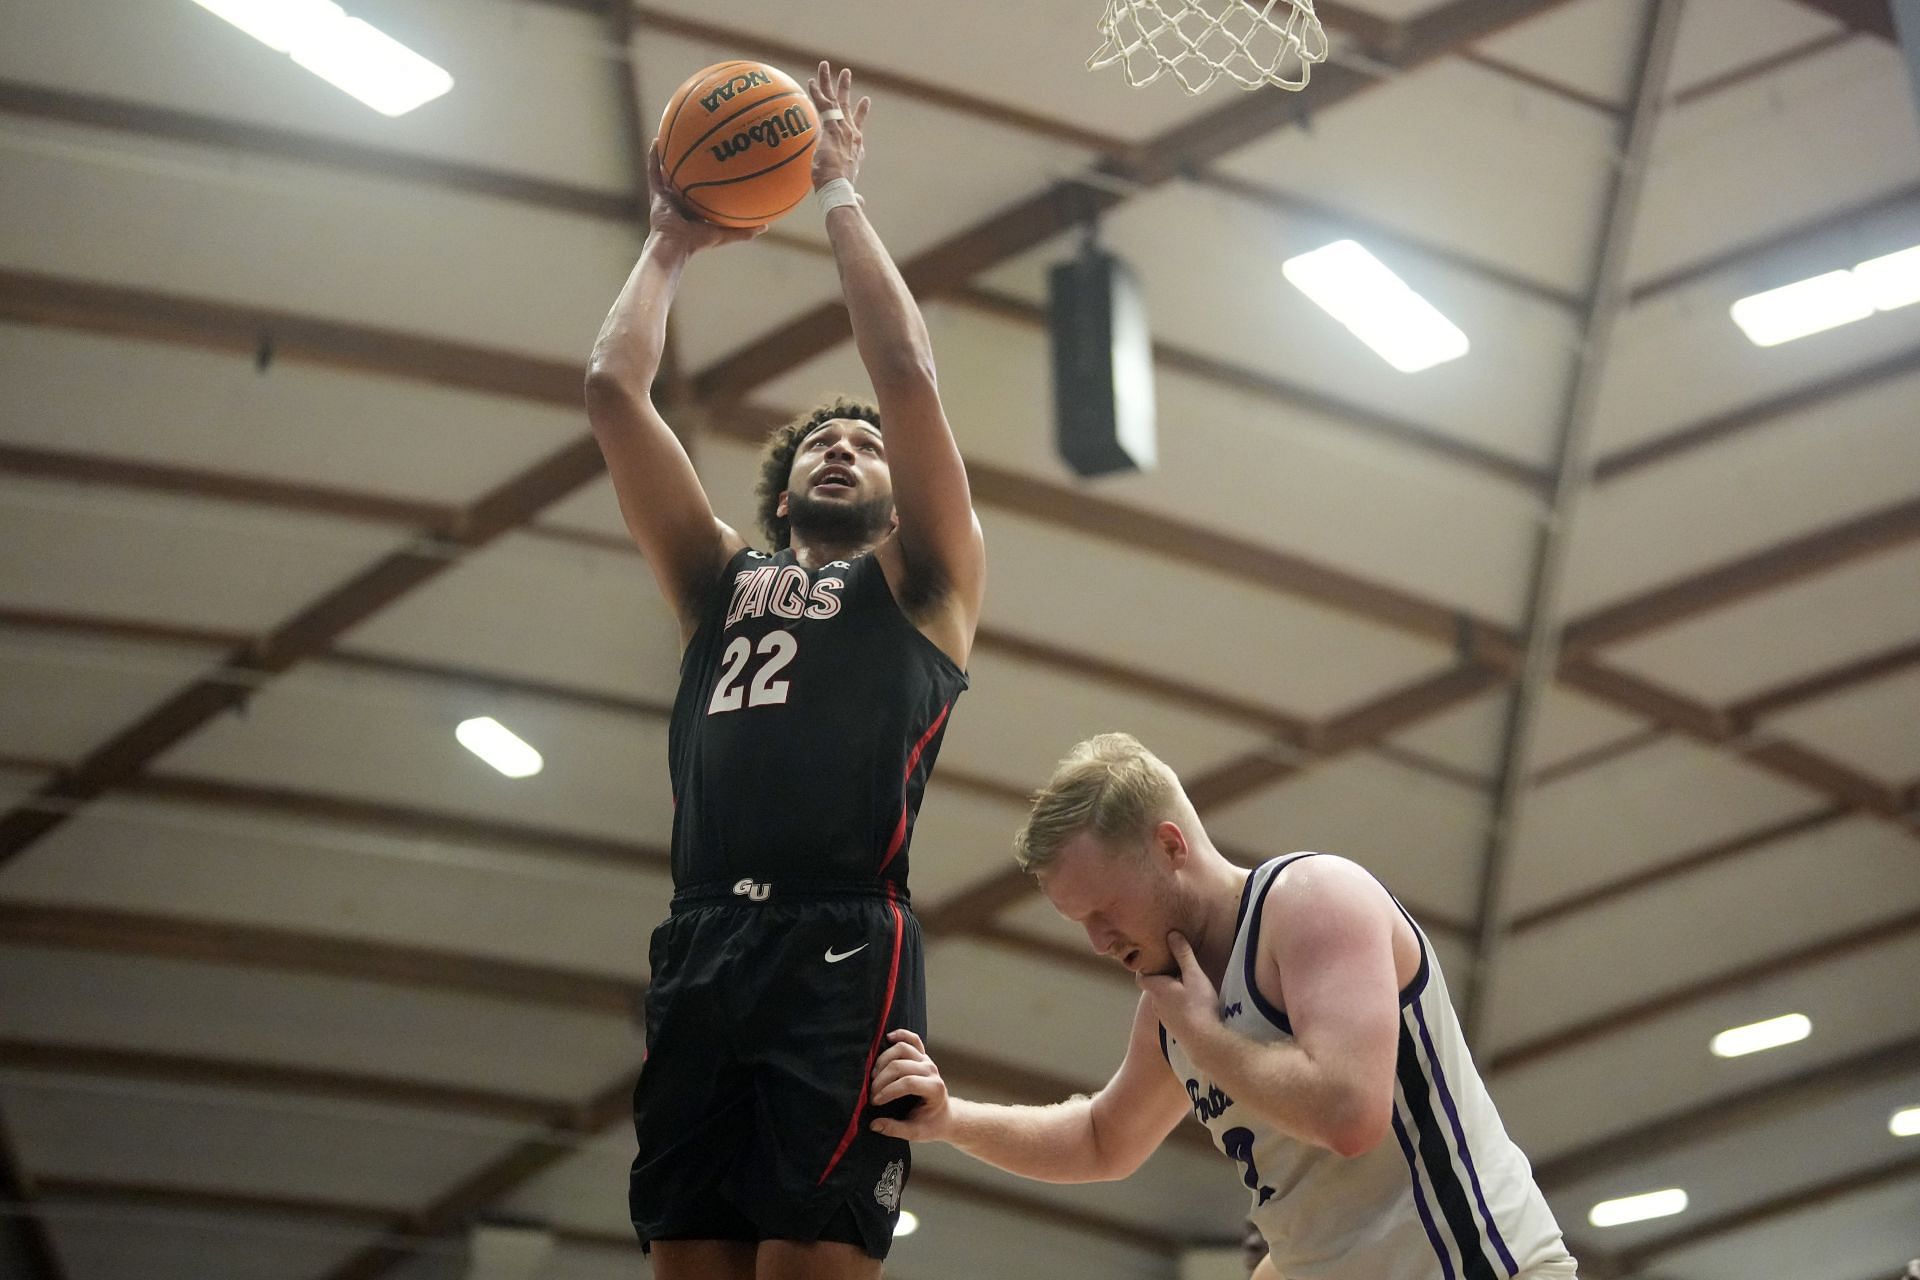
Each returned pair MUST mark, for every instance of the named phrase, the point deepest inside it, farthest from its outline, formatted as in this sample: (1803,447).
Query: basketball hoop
(1251,42)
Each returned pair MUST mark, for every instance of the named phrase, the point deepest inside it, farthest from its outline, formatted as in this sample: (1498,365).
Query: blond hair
(1110,785)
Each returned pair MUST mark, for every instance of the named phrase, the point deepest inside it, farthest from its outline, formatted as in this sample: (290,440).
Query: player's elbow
(905,370)
(1358,1127)
(613,392)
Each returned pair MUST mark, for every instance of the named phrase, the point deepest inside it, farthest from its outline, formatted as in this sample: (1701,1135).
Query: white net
(1251,42)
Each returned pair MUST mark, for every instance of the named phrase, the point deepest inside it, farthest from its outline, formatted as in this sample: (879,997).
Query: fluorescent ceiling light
(1654,1204)
(1892,281)
(907,1225)
(499,746)
(1752,1038)
(1359,291)
(1829,301)
(345,52)
(1905,1123)
(1797,310)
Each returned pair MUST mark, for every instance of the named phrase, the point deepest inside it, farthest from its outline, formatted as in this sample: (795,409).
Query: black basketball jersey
(809,714)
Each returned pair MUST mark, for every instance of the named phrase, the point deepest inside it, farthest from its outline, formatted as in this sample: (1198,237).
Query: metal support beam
(1607,300)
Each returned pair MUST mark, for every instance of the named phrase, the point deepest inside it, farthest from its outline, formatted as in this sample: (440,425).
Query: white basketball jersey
(1447,1196)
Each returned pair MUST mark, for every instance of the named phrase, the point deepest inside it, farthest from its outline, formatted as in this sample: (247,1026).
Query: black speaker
(1102,365)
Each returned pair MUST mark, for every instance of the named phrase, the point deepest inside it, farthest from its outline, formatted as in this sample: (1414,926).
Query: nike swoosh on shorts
(836,957)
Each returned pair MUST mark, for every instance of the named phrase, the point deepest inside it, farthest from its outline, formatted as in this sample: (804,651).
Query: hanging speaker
(1103,411)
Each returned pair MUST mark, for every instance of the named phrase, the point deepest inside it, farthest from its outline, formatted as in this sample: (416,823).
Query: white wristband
(835,194)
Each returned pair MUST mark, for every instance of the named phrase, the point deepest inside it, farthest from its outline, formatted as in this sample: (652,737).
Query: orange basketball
(736,143)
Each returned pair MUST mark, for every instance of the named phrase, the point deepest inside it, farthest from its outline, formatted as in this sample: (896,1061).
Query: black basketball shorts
(767,1009)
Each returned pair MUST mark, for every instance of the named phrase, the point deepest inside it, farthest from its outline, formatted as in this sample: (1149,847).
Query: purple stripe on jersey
(1460,1140)
(1420,1197)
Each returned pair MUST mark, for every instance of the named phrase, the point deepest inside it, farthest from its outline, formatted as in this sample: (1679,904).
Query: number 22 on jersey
(777,648)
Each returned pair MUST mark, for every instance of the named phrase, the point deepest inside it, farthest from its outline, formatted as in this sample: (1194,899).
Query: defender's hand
(842,146)
(671,225)
(1183,1003)
(905,1071)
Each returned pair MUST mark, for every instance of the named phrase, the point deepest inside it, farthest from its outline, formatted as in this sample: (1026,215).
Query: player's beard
(839,523)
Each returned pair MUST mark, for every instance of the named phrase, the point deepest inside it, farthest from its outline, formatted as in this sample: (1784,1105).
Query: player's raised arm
(939,539)
(660,495)
(1099,1139)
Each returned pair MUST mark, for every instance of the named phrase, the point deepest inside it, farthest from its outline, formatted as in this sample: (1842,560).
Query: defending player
(1305,1023)
(815,684)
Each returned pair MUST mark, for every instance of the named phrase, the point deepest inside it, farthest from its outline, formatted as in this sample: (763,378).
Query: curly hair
(776,459)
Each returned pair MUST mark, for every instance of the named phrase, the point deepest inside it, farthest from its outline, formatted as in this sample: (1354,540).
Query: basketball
(736,143)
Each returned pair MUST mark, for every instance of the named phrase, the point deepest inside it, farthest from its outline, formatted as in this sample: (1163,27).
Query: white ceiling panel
(117,1242)
(1872,727)
(1776,1156)
(1230,636)
(1838,878)
(76,549)
(297,422)
(242,1140)
(61,695)
(1840,122)
(985,998)
(1720,36)
(1680,796)
(1236,464)
(594,508)
(325,1024)
(586,1191)
(1468,737)
(1834,461)
(1002,50)
(540,608)
(733,295)
(1238,307)
(1868,1235)
(203,863)
(1587,45)
(1018,720)
(361,733)
(962,1237)
(1661,1065)
(501,56)
(959,839)
(1424,846)
(1812,625)
(1421,153)
(260,232)
(1679,360)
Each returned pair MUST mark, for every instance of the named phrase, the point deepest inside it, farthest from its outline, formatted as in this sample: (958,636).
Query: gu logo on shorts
(752,889)
(887,1190)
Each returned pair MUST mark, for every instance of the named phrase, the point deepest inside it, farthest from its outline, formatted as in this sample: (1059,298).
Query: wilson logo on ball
(791,123)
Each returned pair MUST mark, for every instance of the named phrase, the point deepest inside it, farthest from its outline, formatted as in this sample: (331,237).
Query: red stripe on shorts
(913,762)
(873,1050)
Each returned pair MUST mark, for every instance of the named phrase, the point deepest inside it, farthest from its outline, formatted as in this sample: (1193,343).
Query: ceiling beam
(1732,581)
(1801,1199)
(1883,665)
(1573,448)
(1713,854)
(1805,399)
(1714,727)
(1875,17)
(1751,257)
(151,935)
(200,1071)
(1718,1117)
(1747,71)
(1867,937)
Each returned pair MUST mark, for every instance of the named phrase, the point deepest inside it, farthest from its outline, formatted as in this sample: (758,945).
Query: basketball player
(815,684)
(1296,1011)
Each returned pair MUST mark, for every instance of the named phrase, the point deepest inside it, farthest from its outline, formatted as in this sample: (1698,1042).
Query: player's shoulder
(1314,888)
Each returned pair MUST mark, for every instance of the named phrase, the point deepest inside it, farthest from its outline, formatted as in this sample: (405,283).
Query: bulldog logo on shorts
(887,1190)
